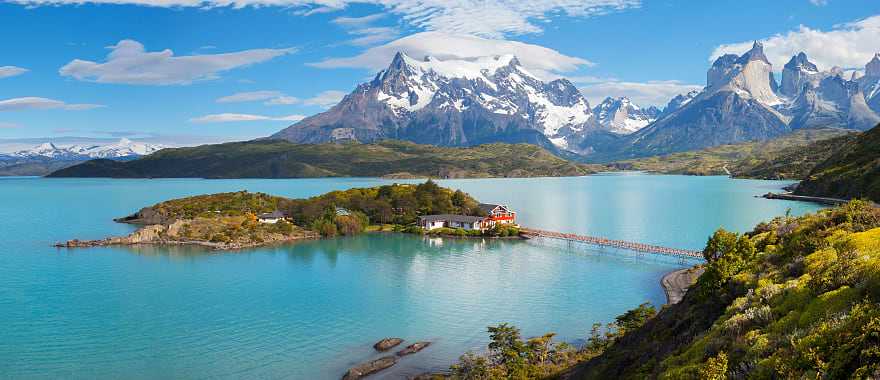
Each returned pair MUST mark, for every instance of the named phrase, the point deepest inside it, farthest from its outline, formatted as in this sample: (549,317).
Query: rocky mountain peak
(801,62)
(620,115)
(872,69)
(755,54)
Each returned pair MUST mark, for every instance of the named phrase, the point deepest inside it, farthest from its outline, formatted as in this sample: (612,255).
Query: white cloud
(849,45)
(251,96)
(283,100)
(130,63)
(819,3)
(31,102)
(651,93)
(8,125)
(542,61)
(488,18)
(271,98)
(358,21)
(239,117)
(325,99)
(11,71)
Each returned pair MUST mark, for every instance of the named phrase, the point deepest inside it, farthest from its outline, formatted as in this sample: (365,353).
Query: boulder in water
(370,367)
(387,344)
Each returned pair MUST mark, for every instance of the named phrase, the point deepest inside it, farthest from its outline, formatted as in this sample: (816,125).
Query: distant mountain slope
(48,157)
(791,156)
(742,102)
(851,172)
(621,115)
(282,159)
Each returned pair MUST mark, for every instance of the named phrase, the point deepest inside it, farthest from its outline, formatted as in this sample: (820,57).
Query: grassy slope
(806,306)
(776,158)
(281,159)
(852,172)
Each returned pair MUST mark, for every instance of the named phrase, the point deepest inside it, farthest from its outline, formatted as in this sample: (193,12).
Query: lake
(311,310)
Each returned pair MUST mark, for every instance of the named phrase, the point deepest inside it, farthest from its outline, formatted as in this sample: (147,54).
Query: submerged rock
(370,367)
(387,344)
(413,348)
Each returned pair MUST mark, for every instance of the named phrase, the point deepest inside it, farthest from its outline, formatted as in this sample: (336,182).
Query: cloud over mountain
(847,45)
(542,61)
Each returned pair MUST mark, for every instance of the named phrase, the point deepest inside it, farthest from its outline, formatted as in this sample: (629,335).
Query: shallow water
(310,310)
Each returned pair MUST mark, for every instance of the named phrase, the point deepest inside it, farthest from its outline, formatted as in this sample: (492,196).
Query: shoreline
(676,283)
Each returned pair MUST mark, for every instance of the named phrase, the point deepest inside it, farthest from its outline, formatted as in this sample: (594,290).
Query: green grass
(853,171)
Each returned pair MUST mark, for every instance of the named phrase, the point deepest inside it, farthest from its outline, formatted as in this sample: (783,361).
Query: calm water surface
(311,310)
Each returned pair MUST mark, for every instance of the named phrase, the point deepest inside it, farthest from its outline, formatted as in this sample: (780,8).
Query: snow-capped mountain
(622,116)
(742,102)
(677,102)
(124,148)
(453,102)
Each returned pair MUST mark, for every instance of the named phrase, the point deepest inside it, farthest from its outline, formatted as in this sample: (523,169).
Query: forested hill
(282,159)
(853,171)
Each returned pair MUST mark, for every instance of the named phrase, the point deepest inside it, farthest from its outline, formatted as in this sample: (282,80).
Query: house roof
(271,215)
(451,218)
(488,207)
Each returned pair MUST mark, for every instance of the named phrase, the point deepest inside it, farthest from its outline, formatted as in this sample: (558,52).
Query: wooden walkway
(637,247)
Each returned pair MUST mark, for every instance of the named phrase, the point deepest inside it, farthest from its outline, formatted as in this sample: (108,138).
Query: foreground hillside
(794,298)
(853,171)
(282,159)
(789,157)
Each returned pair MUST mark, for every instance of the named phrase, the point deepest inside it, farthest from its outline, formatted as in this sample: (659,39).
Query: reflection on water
(309,310)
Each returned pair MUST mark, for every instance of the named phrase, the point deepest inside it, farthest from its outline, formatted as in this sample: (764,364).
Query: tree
(635,318)
(721,243)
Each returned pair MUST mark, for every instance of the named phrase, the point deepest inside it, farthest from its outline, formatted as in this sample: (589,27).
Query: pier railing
(603,242)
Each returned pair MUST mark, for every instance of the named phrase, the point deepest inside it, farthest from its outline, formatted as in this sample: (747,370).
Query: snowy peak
(678,101)
(749,75)
(621,116)
(124,148)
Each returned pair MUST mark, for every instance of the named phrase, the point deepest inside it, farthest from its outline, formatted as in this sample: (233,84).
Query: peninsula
(237,220)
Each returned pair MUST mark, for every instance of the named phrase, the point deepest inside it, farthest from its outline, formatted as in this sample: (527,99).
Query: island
(242,219)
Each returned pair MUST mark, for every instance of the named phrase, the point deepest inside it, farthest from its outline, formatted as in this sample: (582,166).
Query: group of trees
(389,204)
(512,357)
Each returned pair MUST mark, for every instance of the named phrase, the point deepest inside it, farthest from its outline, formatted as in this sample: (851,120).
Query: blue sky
(185,71)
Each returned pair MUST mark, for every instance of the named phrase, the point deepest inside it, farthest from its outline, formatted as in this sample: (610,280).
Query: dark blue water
(310,310)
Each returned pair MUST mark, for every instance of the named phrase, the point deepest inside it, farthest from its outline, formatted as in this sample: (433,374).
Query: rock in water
(387,344)
(370,367)
(413,348)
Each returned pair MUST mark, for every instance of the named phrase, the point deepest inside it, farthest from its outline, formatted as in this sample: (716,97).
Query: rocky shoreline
(676,283)
(157,234)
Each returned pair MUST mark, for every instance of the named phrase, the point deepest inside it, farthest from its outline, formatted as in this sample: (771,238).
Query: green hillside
(853,171)
(281,159)
(790,156)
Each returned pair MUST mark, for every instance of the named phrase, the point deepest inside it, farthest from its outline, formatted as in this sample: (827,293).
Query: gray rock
(370,367)
(387,344)
(413,348)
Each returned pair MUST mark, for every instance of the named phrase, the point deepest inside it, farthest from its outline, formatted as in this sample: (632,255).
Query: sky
(184,72)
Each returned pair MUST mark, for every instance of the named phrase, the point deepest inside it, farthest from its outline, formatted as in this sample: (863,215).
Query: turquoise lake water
(310,310)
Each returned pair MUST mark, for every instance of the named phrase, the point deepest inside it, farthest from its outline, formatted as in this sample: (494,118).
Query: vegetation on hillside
(282,159)
(788,157)
(853,171)
(794,298)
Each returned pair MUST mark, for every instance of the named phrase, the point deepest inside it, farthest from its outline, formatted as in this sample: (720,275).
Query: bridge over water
(603,242)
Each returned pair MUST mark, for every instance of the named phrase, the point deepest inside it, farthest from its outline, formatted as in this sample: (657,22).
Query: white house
(466,222)
(270,217)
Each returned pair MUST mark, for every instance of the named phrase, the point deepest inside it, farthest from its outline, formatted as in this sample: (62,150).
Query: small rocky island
(238,220)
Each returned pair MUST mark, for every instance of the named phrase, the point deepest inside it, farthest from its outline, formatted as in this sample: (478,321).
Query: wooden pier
(603,242)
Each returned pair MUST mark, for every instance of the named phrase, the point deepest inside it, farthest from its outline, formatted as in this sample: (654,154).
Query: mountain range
(47,157)
(462,102)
